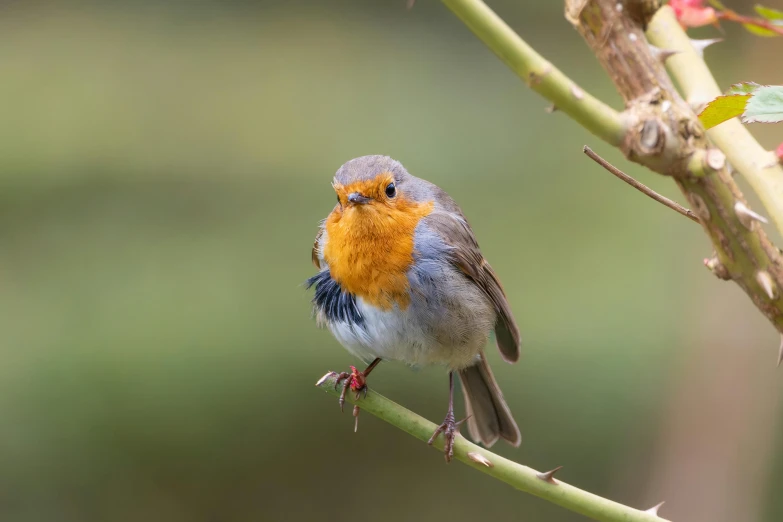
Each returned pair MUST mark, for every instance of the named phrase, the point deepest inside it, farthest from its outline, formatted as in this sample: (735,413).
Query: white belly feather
(411,337)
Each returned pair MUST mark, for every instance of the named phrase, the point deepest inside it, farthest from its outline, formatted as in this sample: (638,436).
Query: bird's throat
(369,249)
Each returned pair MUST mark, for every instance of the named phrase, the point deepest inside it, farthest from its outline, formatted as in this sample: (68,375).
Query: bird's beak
(358,199)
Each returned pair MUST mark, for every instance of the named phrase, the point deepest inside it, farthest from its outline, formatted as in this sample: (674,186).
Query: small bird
(401,278)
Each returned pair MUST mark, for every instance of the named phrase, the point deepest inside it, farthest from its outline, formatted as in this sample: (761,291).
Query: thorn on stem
(552,108)
(700,45)
(780,351)
(654,510)
(549,475)
(325,378)
(356,417)
(481,459)
(747,216)
(765,282)
(662,54)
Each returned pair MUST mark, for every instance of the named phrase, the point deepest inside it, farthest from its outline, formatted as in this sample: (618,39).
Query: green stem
(520,477)
(744,153)
(539,74)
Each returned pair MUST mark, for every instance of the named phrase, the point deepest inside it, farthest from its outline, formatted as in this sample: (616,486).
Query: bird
(401,278)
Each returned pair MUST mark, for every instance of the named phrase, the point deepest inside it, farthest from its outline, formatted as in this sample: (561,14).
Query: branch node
(548,476)
(577,93)
(767,284)
(716,160)
(714,265)
(651,138)
(746,216)
(654,510)
(535,77)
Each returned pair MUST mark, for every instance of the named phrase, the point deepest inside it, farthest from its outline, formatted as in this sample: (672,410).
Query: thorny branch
(759,167)
(668,138)
(658,129)
(523,478)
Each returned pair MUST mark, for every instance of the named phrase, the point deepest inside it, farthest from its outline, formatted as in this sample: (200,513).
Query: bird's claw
(450,430)
(355,380)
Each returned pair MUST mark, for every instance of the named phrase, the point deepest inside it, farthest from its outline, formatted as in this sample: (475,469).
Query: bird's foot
(450,430)
(356,381)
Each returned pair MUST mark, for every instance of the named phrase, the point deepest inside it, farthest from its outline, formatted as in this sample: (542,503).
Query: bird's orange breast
(369,249)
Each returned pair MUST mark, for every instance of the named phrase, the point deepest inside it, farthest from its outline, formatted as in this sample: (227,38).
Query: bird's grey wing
(465,254)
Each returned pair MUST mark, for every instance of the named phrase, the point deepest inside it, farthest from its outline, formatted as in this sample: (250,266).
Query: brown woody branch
(666,136)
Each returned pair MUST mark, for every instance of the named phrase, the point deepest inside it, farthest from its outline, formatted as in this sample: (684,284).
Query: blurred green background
(163,169)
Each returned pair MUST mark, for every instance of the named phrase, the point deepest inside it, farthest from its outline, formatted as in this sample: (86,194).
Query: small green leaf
(759,31)
(765,105)
(769,13)
(723,108)
(717,5)
(743,88)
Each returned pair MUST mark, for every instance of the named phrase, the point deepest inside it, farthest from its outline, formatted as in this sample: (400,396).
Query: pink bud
(692,13)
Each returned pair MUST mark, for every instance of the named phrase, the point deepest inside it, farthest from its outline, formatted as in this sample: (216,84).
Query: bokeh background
(163,169)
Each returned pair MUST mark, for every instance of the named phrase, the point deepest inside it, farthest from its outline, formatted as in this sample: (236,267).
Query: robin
(401,277)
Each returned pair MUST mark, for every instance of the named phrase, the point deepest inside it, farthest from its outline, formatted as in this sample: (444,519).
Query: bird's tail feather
(489,415)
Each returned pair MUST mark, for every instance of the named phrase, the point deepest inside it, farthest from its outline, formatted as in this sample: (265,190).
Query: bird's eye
(391,190)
